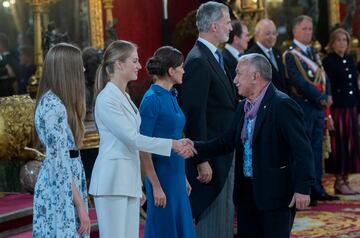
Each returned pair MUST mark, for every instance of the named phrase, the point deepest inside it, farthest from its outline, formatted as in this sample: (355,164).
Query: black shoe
(325,197)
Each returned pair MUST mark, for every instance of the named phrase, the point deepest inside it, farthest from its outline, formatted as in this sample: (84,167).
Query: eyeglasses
(271,33)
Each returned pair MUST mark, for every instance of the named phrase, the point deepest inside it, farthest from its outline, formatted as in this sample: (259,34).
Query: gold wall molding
(96,24)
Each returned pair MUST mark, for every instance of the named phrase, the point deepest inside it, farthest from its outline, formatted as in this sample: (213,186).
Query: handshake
(184,147)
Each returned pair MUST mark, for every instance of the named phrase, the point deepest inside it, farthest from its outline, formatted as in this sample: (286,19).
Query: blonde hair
(334,36)
(63,75)
(117,50)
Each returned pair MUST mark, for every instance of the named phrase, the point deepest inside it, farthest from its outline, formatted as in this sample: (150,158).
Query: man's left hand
(301,201)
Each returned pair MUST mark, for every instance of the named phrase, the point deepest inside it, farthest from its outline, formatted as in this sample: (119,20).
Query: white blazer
(117,167)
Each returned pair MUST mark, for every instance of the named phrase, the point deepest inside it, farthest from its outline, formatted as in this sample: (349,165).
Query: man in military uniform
(311,90)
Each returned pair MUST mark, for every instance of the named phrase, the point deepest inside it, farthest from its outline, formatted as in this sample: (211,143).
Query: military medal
(310,73)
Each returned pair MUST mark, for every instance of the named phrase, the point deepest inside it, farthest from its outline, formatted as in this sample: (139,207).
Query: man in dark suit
(265,39)
(311,90)
(273,162)
(208,100)
(236,45)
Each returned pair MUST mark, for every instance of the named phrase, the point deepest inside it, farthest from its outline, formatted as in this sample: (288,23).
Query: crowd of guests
(254,118)
(16,67)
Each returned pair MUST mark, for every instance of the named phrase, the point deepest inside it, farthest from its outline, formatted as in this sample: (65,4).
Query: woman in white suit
(116,177)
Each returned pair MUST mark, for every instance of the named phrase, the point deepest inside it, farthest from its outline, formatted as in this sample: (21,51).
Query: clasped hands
(326,102)
(184,147)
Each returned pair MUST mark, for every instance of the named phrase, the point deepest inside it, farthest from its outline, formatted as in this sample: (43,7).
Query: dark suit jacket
(278,76)
(230,62)
(282,155)
(344,88)
(207,98)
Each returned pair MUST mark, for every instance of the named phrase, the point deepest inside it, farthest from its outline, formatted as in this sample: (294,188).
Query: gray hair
(208,13)
(260,63)
(300,19)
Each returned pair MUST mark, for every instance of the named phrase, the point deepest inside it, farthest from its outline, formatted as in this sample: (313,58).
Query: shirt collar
(301,45)
(263,48)
(251,108)
(234,52)
(209,45)
(160,90)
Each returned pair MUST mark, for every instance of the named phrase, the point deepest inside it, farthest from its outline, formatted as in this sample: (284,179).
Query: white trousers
(118,216)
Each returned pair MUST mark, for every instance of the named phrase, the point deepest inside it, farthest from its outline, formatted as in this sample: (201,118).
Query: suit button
(347,69)
(344,61)
(351,92)
(350,76)
(350,83)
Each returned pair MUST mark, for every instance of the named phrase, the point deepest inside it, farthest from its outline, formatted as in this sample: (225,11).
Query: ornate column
(108,6)
(96,25)
(333,12)
(38,52)
(45,12)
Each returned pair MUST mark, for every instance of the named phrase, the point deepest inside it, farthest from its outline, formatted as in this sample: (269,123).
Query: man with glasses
(265,37)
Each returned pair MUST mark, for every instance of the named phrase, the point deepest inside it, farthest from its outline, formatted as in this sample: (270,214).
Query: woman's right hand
(159,197)
(85,224)
(184,147)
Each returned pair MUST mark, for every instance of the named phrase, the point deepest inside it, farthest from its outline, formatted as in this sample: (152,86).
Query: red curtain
(140,21)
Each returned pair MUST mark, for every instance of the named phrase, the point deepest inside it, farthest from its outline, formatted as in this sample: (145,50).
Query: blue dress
(162,117)
(54,213)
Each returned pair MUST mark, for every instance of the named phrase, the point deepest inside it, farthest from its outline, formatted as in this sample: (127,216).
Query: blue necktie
(221,59)
(247,150)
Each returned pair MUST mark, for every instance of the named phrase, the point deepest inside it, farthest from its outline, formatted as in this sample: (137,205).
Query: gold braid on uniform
(318,77)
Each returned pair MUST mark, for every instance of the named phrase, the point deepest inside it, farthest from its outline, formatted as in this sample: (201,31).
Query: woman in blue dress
(168,208)
(60,197)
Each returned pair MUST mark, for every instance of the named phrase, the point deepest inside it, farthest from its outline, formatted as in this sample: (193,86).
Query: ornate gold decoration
(96,25)
(108,6)
(16,127)
(91,138)
(34,80)
(333,12)
(45,13)
(249,11)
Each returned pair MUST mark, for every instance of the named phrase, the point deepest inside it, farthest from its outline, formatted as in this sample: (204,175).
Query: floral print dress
(54,213)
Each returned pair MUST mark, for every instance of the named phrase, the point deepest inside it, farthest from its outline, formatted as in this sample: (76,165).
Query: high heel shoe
(344,188)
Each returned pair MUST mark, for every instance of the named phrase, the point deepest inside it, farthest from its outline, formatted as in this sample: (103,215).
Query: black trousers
(254,223)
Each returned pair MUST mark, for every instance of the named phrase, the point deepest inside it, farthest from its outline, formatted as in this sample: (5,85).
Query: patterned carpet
(338,219)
